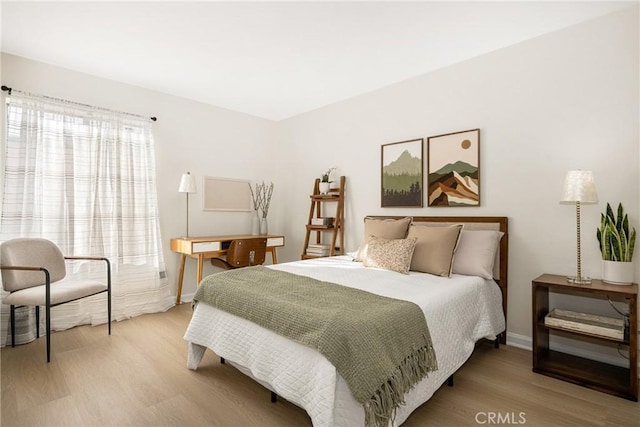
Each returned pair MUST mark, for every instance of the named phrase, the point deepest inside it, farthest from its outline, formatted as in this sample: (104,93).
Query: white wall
(189,136)
(567,100)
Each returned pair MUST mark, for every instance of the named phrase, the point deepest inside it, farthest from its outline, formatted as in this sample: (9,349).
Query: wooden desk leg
(199,271)
(180,278)
(274,256)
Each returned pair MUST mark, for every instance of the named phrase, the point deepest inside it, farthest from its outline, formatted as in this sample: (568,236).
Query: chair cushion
(62,291)
(30,252)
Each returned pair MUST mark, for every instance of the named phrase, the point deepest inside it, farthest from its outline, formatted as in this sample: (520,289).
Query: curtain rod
(9,90)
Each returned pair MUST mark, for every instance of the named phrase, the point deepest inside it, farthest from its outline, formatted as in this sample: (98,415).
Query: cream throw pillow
(390,254)
(435,248)
(476,252)
(385,228)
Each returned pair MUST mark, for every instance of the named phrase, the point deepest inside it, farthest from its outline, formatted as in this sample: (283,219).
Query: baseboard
(520,341)
(184,298)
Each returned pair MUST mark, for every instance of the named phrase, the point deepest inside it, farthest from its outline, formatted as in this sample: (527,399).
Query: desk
(202,248)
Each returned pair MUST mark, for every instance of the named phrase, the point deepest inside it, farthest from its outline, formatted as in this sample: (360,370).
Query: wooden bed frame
(499,223)
(470,222)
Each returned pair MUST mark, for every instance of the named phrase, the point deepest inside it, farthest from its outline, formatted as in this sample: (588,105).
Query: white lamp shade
(579,186)
(187,184)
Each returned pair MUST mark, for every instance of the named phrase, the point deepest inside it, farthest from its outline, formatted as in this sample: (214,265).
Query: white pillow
(476,252)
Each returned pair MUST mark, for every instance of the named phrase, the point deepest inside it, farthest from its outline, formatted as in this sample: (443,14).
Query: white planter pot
(617,273)
(324,187)
(334,185)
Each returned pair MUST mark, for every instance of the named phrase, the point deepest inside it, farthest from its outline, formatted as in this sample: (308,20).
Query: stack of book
(318,249)
(589,323)
(328,221)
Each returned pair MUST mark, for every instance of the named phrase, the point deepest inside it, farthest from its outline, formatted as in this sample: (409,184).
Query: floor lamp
(187,185)
(579,188)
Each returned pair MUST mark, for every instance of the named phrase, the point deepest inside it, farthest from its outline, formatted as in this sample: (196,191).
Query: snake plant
(614,236)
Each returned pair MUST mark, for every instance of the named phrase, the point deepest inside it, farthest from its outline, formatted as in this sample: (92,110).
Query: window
(84,178)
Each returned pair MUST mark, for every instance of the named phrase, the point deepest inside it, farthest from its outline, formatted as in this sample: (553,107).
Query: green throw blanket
(381,346)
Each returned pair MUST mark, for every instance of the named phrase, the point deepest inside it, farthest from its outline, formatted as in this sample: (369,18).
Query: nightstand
(615,380)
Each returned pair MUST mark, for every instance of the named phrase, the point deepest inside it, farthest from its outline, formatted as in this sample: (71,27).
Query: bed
(459,310)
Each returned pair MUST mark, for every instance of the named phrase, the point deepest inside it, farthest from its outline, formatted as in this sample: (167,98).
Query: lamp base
(579,280)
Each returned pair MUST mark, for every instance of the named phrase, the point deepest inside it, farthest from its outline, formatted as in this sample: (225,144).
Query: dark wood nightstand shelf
(615,380)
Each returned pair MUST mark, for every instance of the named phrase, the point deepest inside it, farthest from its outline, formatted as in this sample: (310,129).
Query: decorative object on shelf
(326,221)
(325,184)
(453,169)
(617,241)
(579,188)
(401,172)
(255,219)
(187,186)
(255,223)
(583,322)
(261,198)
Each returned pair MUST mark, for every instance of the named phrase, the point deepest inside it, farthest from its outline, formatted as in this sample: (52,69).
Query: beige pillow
(476,252)
(435,248)
(390,254)
(385,228)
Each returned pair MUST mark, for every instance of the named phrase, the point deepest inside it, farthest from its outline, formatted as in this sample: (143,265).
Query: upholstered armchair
(34,273)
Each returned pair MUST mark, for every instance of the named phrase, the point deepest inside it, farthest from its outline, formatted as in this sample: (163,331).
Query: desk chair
(34,274)
(243,253)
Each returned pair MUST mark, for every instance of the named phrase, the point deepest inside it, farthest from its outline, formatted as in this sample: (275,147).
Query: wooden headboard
(499,223)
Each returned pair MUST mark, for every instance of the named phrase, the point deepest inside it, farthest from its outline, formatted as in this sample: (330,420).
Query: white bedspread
(459,311)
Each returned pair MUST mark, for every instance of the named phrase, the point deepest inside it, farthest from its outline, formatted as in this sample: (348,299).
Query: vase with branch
(261,198)
(255,220)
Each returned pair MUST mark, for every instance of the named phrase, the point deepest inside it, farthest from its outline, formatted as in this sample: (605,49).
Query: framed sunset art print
(453,169)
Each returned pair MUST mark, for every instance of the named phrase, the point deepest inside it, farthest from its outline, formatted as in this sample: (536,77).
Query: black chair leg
(48,314)
(12,315)
(109,310)
(37,321)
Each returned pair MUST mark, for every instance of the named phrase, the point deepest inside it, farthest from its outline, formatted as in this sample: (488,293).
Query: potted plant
(617,241)
(325,185)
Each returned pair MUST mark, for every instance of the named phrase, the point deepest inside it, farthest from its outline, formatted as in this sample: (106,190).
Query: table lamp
(579,188)
(187,185)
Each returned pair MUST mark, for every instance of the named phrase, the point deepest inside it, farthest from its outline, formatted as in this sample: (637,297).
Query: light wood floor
(138,377)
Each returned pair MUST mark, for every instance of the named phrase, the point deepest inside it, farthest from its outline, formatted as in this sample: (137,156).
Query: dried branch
(261,197)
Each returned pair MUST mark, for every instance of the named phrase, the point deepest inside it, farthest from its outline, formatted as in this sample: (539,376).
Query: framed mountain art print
(453,169)
(401,174)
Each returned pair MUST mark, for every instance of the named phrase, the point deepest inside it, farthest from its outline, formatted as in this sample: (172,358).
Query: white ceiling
(274,60)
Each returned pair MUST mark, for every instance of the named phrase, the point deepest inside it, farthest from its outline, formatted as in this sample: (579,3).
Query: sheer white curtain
(84,178)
